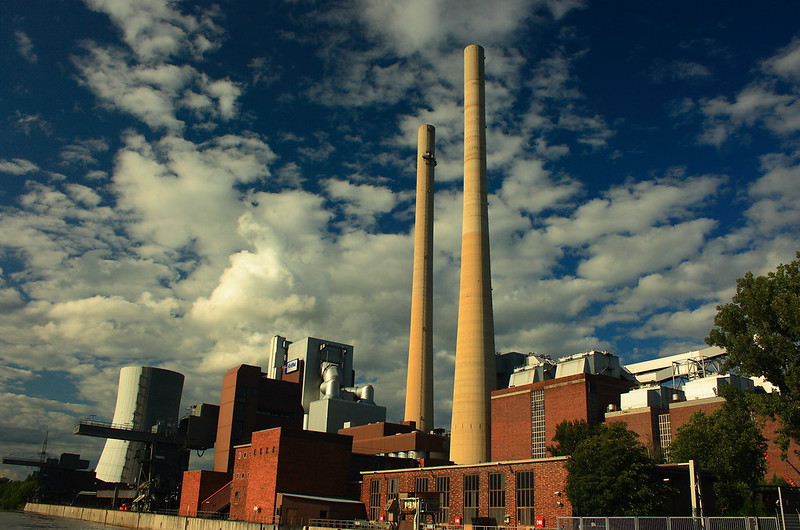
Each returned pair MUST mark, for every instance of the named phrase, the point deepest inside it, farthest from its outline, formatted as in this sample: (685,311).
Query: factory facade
(493,469)
(512,493)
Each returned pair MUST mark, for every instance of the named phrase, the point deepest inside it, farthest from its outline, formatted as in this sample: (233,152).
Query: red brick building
(287,475)
(252,402)
(400,440)
(514,493)
(524,417)
(655,414)
(198,492)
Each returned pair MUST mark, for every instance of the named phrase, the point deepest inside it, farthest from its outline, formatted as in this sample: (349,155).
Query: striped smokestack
(419,386)
(474,371)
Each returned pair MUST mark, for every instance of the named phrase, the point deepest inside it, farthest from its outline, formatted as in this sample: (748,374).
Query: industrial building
(673,388)
(147,446)
(543,393)
(308,385)
(493,469)
(301,440)
(287,419)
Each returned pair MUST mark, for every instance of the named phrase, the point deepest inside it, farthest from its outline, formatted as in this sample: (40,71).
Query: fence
(347,524)
(791,522)
(668,523)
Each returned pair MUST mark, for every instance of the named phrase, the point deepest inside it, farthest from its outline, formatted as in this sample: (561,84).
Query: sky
(180,181)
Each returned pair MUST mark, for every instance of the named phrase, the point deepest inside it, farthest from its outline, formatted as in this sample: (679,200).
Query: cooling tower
(146,396)
(474,370)
(419,384)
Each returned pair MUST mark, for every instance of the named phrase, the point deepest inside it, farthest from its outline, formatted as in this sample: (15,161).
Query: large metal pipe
(419,384)
(474,370)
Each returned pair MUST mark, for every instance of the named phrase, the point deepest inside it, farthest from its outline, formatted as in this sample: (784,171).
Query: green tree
(760,330)
(729,443)
(569,434)
(611,474)
(15,493)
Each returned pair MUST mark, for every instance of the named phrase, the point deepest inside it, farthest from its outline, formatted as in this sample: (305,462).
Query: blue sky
(179,181)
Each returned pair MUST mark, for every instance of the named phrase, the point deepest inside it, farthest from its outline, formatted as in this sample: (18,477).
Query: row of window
(259,451)
(524,496)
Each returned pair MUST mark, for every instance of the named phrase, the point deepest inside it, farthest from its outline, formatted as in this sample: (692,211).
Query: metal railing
(348,524)
(668,523)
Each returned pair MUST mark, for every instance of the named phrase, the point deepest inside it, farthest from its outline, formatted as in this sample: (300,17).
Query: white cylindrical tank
(146,396)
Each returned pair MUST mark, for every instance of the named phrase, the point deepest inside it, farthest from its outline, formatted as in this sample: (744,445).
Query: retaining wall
(144,521)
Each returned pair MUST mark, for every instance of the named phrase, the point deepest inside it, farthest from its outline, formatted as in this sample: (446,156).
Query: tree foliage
(760,330)
(729,443)
(611,474)
(569,434)
(15,493)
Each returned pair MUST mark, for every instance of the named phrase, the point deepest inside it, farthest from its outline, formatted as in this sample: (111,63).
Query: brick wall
(198,486)
(511,424)
(644,422)
(679,413)
(287,461)
(575,397)
(549,479)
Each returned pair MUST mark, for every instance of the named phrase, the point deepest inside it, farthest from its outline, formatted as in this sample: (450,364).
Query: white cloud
(362,203)
(529,188)
(786,63)
(17,166)
(776,195)
(182,194)
(632,209)
(25,47)
(619,259)
(422,26)
(155,30)
(149,94)
(762,103)
(30,123)
(82,152)
(688,323)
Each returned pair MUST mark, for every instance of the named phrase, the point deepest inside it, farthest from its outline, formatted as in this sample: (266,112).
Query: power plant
(300,443)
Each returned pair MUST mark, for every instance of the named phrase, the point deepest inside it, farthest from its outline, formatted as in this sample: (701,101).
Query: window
(392,489)
(538,437)
(443,488)
(374,500)
(525,498)
(471,498)
(497,497)
(421,484)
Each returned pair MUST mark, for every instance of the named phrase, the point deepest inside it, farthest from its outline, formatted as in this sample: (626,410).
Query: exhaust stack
(419,384)
(474,367)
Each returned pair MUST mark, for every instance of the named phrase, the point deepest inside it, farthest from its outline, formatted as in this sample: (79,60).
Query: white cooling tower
(146,396)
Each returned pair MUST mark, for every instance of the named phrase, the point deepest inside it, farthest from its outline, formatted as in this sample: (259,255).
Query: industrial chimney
(474,370)
(419,385)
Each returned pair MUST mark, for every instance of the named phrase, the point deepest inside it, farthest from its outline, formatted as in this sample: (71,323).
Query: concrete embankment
(141,520)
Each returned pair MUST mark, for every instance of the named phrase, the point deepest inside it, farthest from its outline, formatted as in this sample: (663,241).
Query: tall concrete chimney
(419,385)
(474,373)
